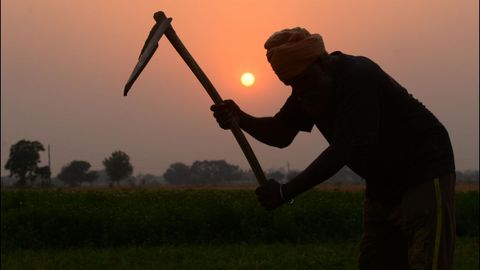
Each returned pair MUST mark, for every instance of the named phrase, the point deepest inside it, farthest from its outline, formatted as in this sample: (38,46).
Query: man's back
(402,143)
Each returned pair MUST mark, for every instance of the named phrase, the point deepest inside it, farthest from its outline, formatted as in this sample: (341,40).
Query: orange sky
(64,65)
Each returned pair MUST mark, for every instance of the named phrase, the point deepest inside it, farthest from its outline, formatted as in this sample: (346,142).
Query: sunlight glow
(247,79)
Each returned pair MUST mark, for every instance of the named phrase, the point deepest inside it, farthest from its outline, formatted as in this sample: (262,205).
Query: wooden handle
(212,92)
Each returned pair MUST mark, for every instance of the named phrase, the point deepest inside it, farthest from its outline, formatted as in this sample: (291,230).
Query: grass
(35,219)
(276,256)
(194,229)
(331,256)
(51,219)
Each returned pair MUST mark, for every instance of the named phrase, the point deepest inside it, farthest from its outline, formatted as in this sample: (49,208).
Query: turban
(291,51)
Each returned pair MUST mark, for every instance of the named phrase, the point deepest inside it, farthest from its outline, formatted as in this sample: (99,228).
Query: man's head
(292,51)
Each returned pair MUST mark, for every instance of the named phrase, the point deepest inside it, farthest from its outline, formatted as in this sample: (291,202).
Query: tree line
(24,166)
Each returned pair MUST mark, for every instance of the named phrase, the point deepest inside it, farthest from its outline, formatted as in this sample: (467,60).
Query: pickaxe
(163,26)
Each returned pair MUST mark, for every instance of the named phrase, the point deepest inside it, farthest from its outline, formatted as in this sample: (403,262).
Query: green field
(275,256)
(331,256)
(186,229)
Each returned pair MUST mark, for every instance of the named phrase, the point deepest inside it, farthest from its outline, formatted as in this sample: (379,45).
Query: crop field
(222,228)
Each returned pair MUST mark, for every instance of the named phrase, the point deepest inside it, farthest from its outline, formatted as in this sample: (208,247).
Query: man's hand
(226,113)
(269,195)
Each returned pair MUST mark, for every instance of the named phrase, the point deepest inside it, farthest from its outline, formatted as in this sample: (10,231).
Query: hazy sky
(64,65)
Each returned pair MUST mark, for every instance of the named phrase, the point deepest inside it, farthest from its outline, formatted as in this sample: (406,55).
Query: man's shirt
(395,141)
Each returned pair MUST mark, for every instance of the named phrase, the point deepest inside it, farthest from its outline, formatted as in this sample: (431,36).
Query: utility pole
(288,172)
(49,167)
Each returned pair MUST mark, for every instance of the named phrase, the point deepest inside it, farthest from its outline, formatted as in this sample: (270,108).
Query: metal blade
(149,48)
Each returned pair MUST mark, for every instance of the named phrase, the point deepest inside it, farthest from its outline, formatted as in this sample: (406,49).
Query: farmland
(183,228)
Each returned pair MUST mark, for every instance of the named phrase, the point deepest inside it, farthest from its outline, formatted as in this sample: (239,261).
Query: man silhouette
(377,129)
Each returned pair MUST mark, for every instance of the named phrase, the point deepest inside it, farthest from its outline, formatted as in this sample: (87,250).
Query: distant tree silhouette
(292,174)
(43,173)
(146,179)
(203,172)
(76,173)
(214,172)
(23,161)
(467,176)
(248,177)
(277,175)
(178,173)
(118,166)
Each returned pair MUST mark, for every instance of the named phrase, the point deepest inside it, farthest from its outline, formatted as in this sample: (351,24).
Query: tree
(467,176)
(292,174)
(44,173)
(214,172)
(23,161)
(118,166)
(203,172)
(178,173)
(76,172)
(146,179)
(277,175)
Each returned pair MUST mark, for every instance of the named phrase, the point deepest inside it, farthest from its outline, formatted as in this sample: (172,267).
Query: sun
(247,79)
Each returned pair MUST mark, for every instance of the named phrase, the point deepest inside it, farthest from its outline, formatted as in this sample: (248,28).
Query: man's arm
(330,161)
(268,130)
(272,194)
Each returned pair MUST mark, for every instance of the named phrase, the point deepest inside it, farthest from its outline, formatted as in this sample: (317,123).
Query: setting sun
(247,79)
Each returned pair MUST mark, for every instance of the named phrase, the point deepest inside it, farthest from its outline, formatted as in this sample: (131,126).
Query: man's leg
(449,229)
(383,245)
(427,217)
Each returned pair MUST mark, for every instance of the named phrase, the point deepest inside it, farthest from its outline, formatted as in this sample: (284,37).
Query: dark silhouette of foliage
(43,172)
(277,175)
(467,176)
(76,173)
(178,173)
(35,219)
(146,179)
(203,172)
(292,174)
(214,172)
(118,166)
(23,161)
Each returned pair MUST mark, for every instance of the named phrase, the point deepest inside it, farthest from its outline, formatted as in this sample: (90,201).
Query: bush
(56,219)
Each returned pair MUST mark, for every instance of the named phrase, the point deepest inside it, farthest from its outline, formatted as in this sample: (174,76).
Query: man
(378,130)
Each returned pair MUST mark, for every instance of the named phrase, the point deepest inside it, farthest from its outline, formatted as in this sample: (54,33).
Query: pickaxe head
(149,48)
